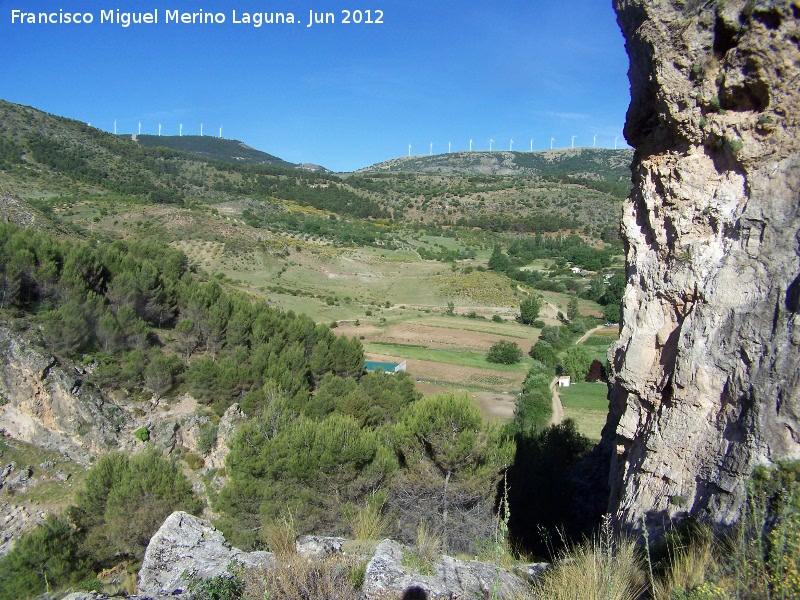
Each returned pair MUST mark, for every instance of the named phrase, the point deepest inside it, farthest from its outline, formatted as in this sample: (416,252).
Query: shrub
(194,461)
(504,353)
(43,560)
(208,439)
(281,470)
(221,587)
(142,434)
(124,502)
(543,352)
(766,557)
(550,334)
(611,312)
(596,371)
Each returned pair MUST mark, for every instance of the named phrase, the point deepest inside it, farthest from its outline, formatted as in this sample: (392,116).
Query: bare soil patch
(438,338)
(444,376)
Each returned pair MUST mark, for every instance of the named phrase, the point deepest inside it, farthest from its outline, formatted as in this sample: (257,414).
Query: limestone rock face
(49,405)
(185,543)
(706,373)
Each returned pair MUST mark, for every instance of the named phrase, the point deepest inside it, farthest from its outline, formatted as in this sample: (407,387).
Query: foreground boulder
(188,544)
(387,577)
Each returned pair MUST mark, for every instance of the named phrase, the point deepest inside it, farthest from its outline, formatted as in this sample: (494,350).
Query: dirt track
(558,408)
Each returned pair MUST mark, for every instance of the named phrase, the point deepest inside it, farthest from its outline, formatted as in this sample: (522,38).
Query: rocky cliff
(706,373)
(50,405)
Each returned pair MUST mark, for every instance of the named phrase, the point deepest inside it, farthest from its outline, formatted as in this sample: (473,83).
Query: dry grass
(332,578)
(605,568)
(688,567)
(367,522)
(280,535)
(429,546)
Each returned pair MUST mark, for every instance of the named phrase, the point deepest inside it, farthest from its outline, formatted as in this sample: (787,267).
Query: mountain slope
(609,163)
(230,151)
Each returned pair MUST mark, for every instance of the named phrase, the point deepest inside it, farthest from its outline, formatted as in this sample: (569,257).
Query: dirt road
(558,408)
(586,335)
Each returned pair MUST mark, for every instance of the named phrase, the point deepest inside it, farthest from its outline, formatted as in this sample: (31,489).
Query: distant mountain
(79,175)
(230,151)
(581,165)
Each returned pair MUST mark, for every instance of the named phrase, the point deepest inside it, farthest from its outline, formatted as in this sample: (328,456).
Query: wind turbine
(551,142)
(490,144)
(409,149)
(511,146)
(140,128)
(615,142)
(115,127)
(201,130)
(532,144)
(573,140)
(448,147)
(470,145)
(431,150)
(180,130)
(159,130)
(594,141)
(220,133)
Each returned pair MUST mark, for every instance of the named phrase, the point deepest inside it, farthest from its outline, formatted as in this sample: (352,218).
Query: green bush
(142,434)
(543,352)
(207,440)
(221,587)
(46,559)
(504,353)
(309,467)
(125,500)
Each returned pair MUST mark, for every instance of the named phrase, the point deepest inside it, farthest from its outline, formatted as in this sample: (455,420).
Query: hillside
(229,151)
(319,243)
(575,164)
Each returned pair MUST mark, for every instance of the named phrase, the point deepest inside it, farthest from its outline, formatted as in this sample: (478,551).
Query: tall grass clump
(280,536)
(765,554)
(689,565)
(607,567)
(367,522)
(429,546)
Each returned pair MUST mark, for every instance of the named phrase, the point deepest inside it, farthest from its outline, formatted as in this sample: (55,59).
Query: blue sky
(343,96)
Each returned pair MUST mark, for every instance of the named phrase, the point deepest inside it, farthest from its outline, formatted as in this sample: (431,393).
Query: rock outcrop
(706,373)
(187,544)
(52,406)
(387,577)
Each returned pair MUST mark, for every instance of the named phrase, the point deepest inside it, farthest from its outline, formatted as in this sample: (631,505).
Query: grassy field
(448,357)
(597,344)
(586,403)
